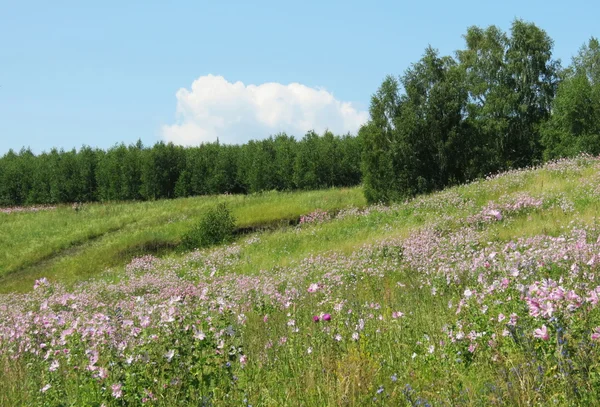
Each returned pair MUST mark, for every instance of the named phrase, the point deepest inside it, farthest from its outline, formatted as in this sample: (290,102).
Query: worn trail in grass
(68,245)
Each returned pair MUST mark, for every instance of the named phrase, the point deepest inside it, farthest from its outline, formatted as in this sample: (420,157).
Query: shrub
(217,226)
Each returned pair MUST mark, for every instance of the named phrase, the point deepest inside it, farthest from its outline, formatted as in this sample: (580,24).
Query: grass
(421,297)
(71,246)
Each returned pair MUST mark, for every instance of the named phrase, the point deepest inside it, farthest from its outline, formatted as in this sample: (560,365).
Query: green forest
(502,102)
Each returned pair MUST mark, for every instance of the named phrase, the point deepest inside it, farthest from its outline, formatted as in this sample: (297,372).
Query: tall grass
(484,294)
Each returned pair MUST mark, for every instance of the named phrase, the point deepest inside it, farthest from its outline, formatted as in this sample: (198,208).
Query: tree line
(501,102)
(136,172)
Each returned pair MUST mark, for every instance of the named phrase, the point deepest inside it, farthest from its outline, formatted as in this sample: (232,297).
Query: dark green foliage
(459,119)
(216,226)
(164,171)
(575,123)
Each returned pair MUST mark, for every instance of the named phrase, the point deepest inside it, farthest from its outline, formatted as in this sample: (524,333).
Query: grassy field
(483,294)
(67,245)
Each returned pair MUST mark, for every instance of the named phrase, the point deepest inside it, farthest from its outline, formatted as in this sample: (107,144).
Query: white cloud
(236,113)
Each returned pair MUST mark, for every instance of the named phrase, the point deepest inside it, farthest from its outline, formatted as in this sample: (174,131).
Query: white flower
(169,355)
(199,334)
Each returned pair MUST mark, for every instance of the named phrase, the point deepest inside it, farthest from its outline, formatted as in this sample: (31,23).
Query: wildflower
(53,366)
(102,373)
(542,333)
(313,288)
(169,355)
(468,293)
(316,318)
(496,214)
(309,350)
(394,377)
(326,317)
(45,388)
(40,282)
(117,391)
(397,314)
(338,337)
(198,334)
(361,324)
(145,321)
(596,334)
(355,336)
(243,360)
(501,317)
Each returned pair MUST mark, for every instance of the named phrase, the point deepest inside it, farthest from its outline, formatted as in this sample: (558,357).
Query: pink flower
(313,287)
(542,333)
(102,373)
(593,298)
(117,392)
(547,309)
(397,314)
(316,318)
(243,359)
(145,321)
(596,334)
(326,317)
(496,214)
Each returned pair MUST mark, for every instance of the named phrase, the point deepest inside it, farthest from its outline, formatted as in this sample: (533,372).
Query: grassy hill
(67,245)
(483,294)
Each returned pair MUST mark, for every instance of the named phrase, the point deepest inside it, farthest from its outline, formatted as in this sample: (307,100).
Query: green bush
(217,226)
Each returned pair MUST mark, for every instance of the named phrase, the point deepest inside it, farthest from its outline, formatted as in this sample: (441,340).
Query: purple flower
(326,317)
(316,318)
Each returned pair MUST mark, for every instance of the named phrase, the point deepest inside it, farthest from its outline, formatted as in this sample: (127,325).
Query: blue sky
(72,73)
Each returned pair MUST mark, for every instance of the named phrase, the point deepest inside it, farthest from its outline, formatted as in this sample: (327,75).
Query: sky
(76,73)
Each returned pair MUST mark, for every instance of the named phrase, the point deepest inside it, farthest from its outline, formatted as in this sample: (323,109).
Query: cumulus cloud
(235,113)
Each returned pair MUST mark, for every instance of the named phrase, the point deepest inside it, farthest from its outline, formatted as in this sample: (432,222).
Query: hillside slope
(68,245)
(484,294)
